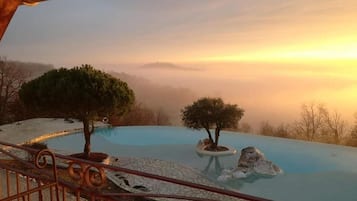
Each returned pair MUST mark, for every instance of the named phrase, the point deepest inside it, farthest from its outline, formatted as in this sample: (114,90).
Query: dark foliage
(141,115)
(81,92)
(36,145)
(211,113)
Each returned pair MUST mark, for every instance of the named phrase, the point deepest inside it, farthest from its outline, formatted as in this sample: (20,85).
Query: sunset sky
(114,31)
(307,48)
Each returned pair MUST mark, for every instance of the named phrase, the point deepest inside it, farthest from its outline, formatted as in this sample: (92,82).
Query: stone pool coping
(39,129)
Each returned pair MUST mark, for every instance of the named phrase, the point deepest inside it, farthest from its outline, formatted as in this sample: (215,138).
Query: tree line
(141,115)
(315,123)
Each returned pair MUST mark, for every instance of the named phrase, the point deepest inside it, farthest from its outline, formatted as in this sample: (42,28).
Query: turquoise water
(312,171)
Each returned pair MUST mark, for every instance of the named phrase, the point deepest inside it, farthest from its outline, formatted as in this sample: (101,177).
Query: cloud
(167,66)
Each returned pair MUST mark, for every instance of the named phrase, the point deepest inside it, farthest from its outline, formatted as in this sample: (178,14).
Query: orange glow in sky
(336,51)
(321,31)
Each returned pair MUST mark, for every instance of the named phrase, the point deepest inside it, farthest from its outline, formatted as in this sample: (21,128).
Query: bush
(35,145)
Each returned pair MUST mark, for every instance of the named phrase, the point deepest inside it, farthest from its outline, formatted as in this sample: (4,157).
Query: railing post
(40,197)
(8,190)
(17,185)
(1,172)
(63,193)
(28,188)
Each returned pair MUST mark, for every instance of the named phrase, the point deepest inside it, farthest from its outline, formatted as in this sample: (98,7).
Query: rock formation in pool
(251,161)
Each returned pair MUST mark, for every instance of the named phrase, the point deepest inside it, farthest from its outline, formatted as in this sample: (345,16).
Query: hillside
(33,69)
(159,97)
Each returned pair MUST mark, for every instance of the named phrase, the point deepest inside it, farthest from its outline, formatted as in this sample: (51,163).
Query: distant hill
(167,66)
(157,97)
(34,69)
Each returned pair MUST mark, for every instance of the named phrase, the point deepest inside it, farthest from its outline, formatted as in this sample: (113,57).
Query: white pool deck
(43,128)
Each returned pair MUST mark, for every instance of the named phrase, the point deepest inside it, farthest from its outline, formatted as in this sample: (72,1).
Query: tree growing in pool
(81,92)
(211,113)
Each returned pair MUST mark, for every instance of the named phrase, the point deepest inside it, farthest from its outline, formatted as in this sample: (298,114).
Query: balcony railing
(29,174)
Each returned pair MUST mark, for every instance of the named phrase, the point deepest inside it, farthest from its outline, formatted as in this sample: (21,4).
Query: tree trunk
(216,135)
(337,137)
(209,135)
(87,134)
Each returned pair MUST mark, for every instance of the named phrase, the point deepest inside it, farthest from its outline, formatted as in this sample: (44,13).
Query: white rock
(252,160)
(239,174)
(224,177)
(227,171)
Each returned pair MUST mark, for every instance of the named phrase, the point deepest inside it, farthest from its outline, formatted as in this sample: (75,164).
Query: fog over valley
(267,92)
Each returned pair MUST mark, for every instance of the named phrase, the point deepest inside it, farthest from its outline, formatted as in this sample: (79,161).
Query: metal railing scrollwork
(87,175)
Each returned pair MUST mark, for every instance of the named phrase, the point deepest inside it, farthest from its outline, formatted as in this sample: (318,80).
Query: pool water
(312,171)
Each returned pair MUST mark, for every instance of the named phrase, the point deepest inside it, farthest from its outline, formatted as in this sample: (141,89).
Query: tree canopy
(211,113)
(81,92)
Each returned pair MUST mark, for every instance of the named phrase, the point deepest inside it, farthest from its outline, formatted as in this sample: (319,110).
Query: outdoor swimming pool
(312,171)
